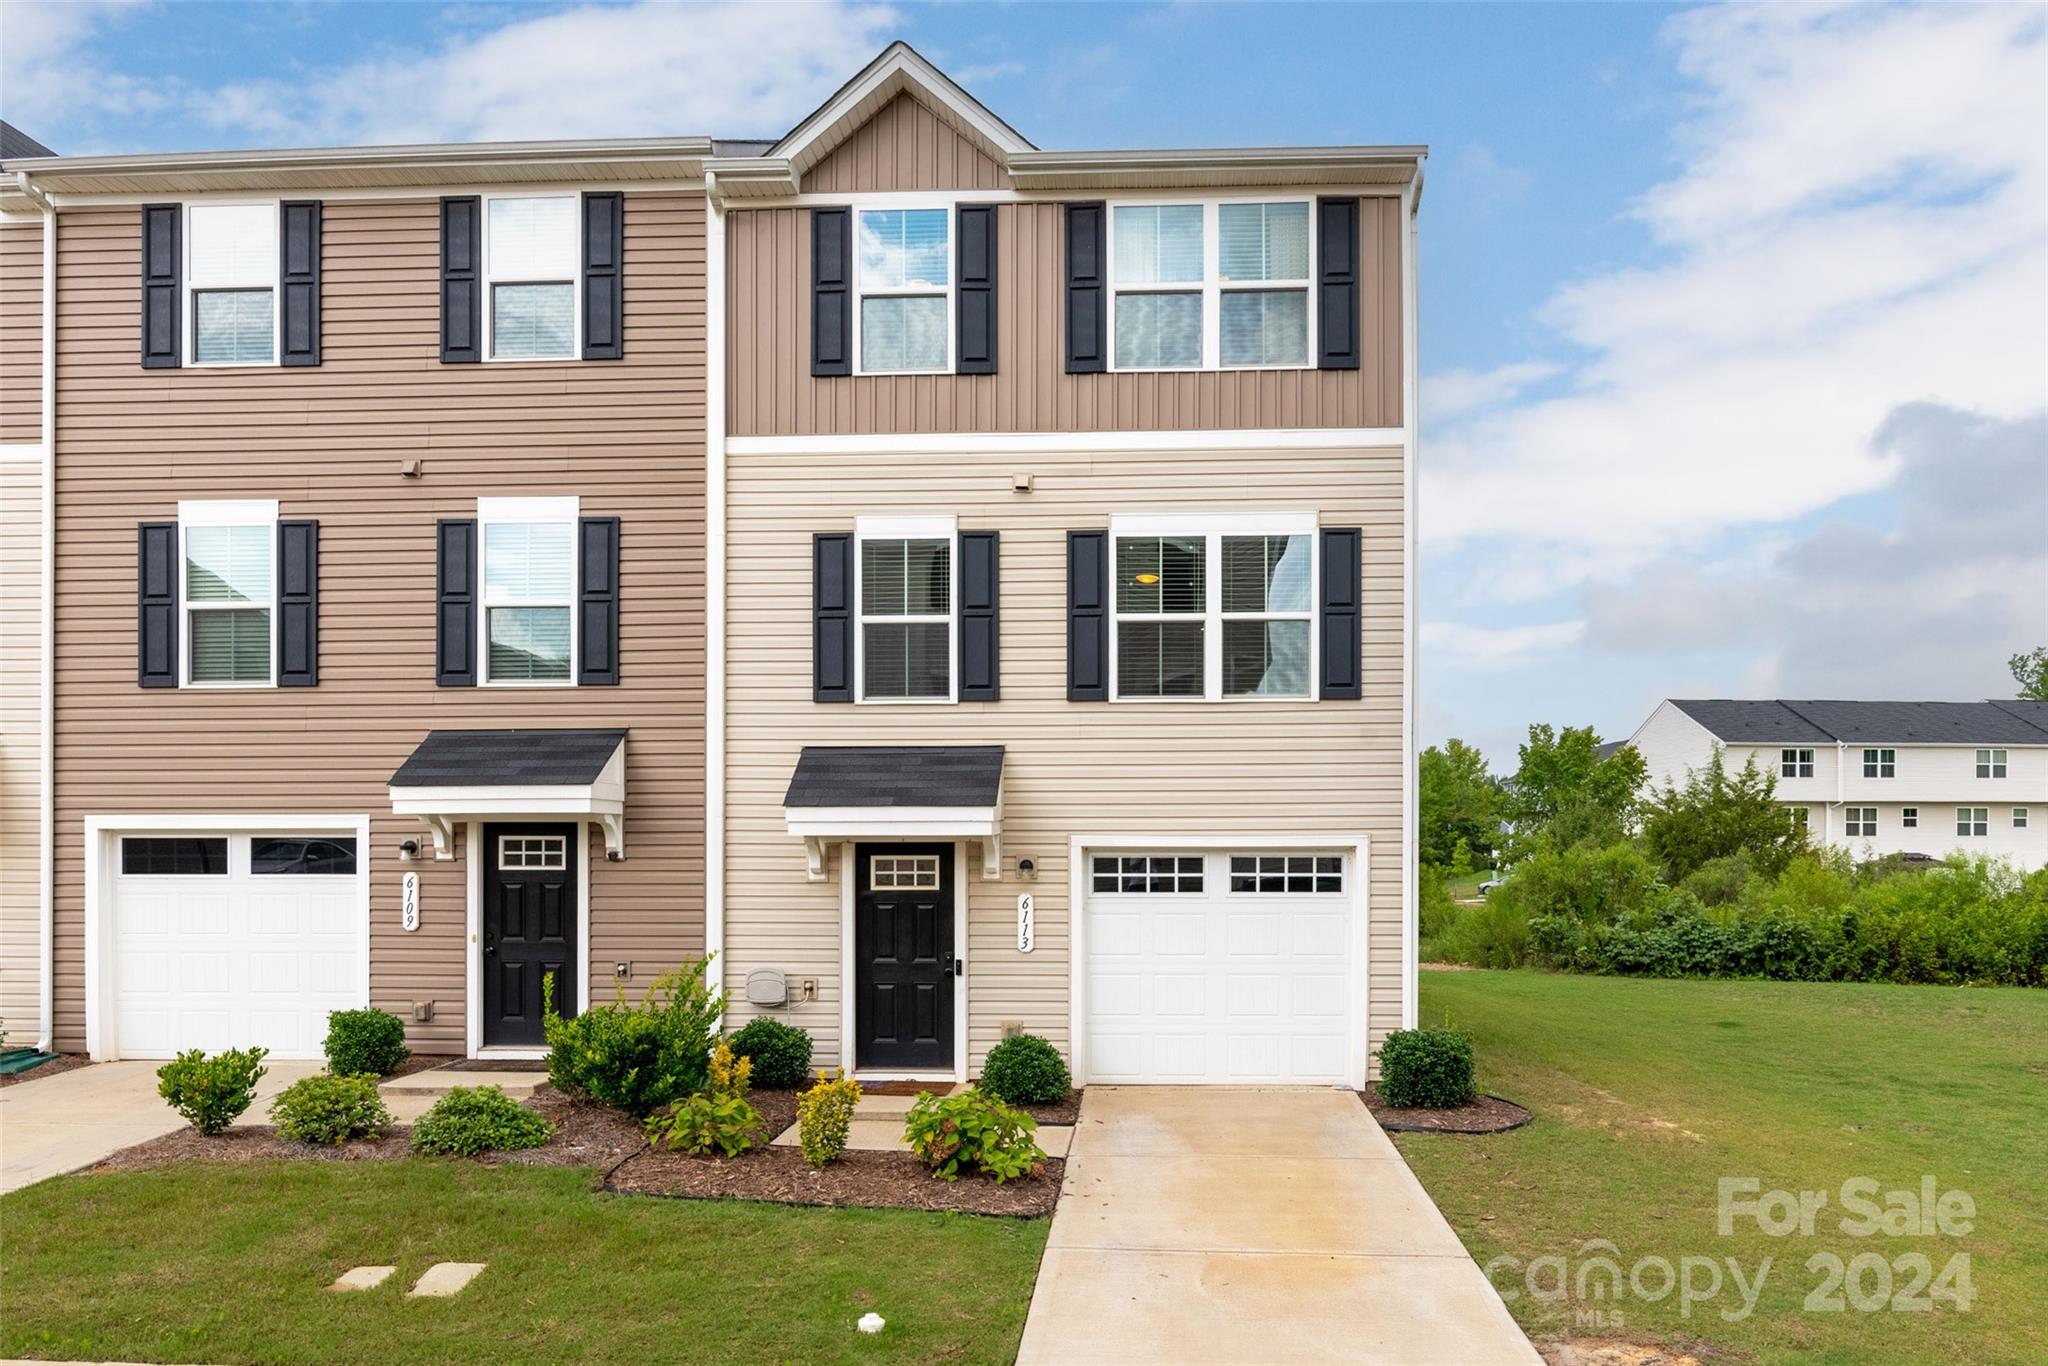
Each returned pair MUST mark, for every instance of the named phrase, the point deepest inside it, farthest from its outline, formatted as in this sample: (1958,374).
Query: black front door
(529,928)
(903,957)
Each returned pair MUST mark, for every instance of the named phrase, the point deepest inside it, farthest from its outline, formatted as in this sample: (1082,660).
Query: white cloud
(1492,648)
(1455,393)
(43,71)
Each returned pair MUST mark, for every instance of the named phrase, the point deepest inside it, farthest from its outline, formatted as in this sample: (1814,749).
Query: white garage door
(233,940)
(1220,967)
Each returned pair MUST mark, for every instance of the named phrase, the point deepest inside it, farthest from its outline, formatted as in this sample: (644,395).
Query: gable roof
(898,68)
(1807,722)
(15,144)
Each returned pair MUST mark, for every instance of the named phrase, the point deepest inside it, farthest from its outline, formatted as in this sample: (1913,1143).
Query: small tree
(1565,792)
(1717,815)
(1460,801)
(2030,671)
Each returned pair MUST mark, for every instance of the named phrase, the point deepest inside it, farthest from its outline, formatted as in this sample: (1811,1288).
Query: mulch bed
(868,1180)
(1484,1115)
(419,1062)
(1066,1111)
(63,1062)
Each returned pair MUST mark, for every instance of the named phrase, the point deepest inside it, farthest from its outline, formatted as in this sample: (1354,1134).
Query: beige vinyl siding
(326,443)
(1318,769)
(771,391)
(905,146)
(21,332)
(21,728)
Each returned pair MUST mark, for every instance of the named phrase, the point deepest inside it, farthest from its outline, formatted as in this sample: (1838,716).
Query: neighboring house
(1019,542)
(1878,777)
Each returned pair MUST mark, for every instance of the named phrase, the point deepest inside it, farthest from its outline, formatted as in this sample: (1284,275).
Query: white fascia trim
(46,759)
(895,70)
(102,1043)
(1212,523)
(896,822)
(328,194)
(1026,443)
(715,584)
(443,808)
(1411,826)
(224,512)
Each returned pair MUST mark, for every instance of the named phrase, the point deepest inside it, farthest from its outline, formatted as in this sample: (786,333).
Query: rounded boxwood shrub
(781,1053)
(1431,1068)
(210,1091)
(330,1109)
(1026,1070)
(364,1041)
(478,1119)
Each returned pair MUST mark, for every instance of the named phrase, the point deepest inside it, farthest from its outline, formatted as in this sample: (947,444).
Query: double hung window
(529,588)
(1795,763)
(229,564)
(1991,763)
(1880,763)
(231,265)
(905,644)
(1207,285)
(1861,822)
(1973,821)
(905,264)
(1202,612)
(531,245)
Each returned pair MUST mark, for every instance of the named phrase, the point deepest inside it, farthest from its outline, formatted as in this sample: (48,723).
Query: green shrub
(781,1053)
(717,1119)
(637,1058)
(210,1092)
(1490,935)
(330,1109)
(1026,1070)
(824,1116)
(1426,1067)
(360,1041)
(478,1119)
(972,1132)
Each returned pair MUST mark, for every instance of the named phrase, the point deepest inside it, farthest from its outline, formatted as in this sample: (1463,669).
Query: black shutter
(462,282)
(831,292)
(1338,612)
(604,250)
(597,600)
(163,260)
(455,603)
(975,353)
(1087,290)
(298,604)
(1087,616)
(298,278)
(156,624)
(1337,285)
(981,674)
(832,617)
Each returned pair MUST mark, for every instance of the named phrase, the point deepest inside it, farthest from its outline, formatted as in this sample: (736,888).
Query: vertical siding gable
(905,146)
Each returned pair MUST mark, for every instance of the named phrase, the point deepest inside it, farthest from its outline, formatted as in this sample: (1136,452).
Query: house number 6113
(409,903)
(1027,923)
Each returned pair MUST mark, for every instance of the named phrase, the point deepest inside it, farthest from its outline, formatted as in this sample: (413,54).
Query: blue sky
(1734,341)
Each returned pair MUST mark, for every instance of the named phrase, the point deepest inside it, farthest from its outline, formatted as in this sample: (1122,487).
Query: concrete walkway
(1221,1225)
(72,1120)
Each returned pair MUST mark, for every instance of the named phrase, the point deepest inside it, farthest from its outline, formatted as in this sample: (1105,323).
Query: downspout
(1411,421)
(715,576)
(46,815)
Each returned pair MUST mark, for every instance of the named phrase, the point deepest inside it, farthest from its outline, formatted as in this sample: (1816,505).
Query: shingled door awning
(463,775)
(853,792)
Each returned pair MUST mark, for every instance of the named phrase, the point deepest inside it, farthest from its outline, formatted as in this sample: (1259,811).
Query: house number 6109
(409,903)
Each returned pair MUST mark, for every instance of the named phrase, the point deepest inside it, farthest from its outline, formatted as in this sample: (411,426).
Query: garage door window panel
(174,857)
(1286,873)
(271,856)
(1147,873)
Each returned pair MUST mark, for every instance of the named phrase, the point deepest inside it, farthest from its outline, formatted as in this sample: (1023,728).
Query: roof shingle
(509,758)
(897,775)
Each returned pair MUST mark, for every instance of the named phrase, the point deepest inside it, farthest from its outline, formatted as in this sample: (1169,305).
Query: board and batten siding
(326,442)
(1316,769)
(771,392)
(905,146)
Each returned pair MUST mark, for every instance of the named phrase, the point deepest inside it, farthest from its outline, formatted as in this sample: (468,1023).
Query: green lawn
(1647,1093)
(230,1264)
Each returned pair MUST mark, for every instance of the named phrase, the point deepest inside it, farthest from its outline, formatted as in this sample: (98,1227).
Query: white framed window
(1795,763)
(1880,763)
(1211,284)
(546,853)
(1802,818)
(1211,609)
(1909,817)
(1295,873)
(903,872)
(1162,874)
(231,269)
(227,555)
(528,622)
(1861,822)
(2019,818)
(532,267)
(1973,820)
(903,279)
(906,639)
(1991,763)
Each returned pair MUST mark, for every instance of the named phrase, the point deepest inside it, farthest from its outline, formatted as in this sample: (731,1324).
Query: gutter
(714,578)
(1411,420)
(46,813)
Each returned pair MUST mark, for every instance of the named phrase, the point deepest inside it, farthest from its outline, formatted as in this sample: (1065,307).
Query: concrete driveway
(1253,1225)
(74,1119)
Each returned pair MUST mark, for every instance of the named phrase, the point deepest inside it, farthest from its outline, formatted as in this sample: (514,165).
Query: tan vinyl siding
(21,332)
(21,511)
(771,391)
(326,443)
(905,147)
(1317,769)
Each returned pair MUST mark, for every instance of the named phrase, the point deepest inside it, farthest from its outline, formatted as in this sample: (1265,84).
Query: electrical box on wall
(767,987)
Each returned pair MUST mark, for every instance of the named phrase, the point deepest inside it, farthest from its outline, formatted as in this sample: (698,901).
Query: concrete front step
(439,1081)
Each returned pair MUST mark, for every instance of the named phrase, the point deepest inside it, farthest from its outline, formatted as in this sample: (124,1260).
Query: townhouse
(967,588)
(1878,778)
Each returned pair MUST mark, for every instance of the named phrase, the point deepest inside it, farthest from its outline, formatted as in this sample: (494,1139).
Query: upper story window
(530,268)
(1991,763)
(231,265)
(1207,285)
(529,589)
(228,554)
(1795,763)
(1880,763)
(905,284)
(905,637)
(1212,614)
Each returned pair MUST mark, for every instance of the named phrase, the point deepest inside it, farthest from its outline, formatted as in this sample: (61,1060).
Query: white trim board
(1026,443)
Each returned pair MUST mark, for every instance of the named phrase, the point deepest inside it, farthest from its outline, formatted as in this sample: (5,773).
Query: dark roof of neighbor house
(1611,748)
(1803,721)
(509,758)
(896,775)
(15,144)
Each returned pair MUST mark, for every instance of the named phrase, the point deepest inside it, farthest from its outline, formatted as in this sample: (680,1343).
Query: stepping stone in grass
(362,1278)
(443,1279)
